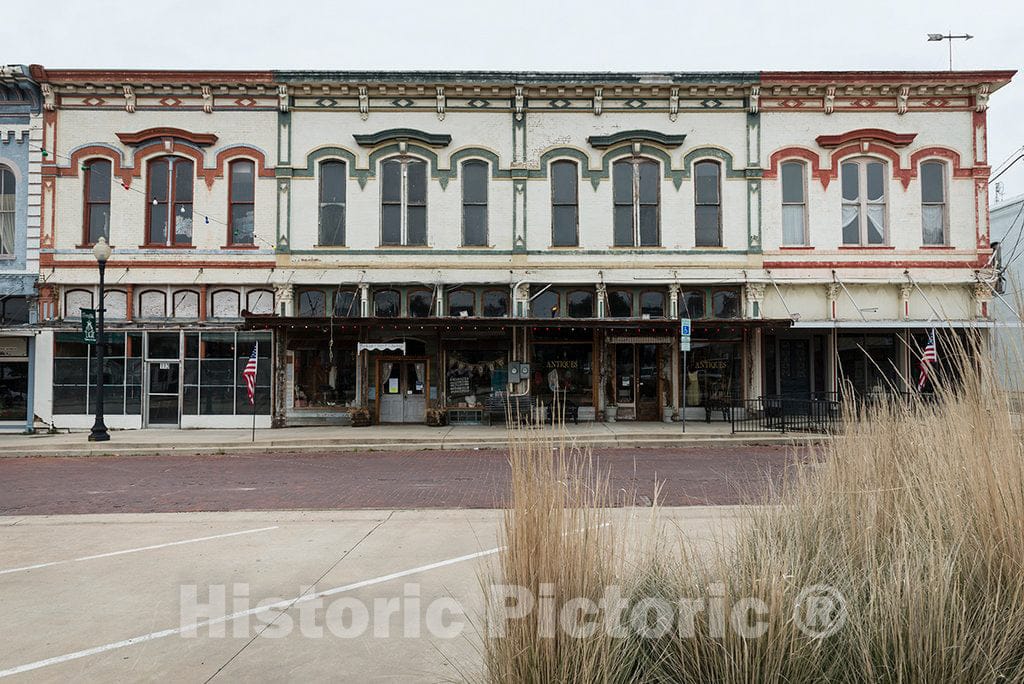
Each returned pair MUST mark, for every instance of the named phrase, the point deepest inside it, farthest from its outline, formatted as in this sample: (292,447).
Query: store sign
(89,326)
(13,347)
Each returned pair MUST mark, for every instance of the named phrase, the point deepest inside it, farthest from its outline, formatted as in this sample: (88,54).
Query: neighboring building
(1007,219)
(429,232)
(20,160)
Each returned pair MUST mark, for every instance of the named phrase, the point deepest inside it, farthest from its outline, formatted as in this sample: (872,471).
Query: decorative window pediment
(638,136)
(160,133)
(866,135)
(403,134)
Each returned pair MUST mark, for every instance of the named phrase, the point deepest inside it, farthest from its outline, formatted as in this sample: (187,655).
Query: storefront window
(725,304)
(869,363)
(563,368)
(317,382)
(495,304)
(620,304)
(213,382)
(74,375)
(713,372)
(652,304)
(545,305)
(581,304)
(461,303)
(14,379)
(473,375)
(691,304)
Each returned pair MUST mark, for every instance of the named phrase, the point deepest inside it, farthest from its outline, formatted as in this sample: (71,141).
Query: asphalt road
(347,480)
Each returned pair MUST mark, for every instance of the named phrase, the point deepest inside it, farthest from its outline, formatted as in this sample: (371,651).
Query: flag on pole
(250,374)
(928,357)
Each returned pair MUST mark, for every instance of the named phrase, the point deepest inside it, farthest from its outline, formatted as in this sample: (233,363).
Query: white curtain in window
(793,225)
(7,223)
(934,231)
(420,372)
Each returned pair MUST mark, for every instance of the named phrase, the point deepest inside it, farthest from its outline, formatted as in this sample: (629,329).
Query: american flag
(250,374)
(928,356)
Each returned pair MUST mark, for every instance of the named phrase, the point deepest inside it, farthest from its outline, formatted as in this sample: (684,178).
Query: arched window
(496,304)
(474,203)
(933,203)
(462,303)
(242,202)
(692,303)
(421,303)
(707,198)
(635,190)
(863,182)
(152,304)
(96,219)
(169,205)
(332,203)
(564,204)
(620,304)
(545,305)
(312,303)
(225,304)
(580,304)
(75,301)
(387,304)
(346,304)
(259,302)
(403,202)
(794,202)
(7,192)
(652,304)
(185,304)
(116,304)
(725,304)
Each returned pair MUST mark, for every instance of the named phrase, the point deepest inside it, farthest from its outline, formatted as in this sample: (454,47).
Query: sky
(552,35)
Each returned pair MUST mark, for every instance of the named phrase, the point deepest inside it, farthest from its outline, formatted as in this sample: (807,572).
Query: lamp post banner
(89,326)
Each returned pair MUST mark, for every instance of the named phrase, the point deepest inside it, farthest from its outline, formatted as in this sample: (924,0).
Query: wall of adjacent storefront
(17,359)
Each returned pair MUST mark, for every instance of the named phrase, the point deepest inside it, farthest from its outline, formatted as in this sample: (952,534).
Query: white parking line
(136,550)
(245,613)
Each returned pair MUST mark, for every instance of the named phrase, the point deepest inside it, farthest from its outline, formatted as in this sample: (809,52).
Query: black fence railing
(811,412)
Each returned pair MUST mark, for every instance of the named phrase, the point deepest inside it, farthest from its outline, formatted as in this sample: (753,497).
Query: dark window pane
(851,181)
(386,304)
(620,304)
(652,304)
(706,182)
(242,181)
(391,172)
(216,400)
(70,371)
(214,372)
(190,401)
(182,180)
(692,304)
(461,301)
(332,224)
(163,345)
(99,222)
(420,303)
(312,303)
(876,181)
(391,224)
(563,226)
(474,219)
(417,183)
(725,304)
(622,182)
(495,304)
(99,180)
(793,182)
(648,182)
(417,228)
(851,224)
(563,182)
(15,310)
(158,180)
(649,226)
(332,182)
(474,182)
(346,304)
(545,305)
(707,226)
(933,182)
(581,304)
(624,225)
(242,224)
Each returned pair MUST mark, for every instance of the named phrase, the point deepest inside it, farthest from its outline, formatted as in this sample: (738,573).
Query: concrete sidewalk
(373,438)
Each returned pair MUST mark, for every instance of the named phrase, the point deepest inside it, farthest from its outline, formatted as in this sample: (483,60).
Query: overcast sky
(627,35)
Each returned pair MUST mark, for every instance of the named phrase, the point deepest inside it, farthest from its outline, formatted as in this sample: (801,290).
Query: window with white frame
(636,197)
(403,202)
(864,200)
(794,203)
(933,203)
(7,190)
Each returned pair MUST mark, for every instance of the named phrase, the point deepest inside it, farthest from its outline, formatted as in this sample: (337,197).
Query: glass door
(625,380)
(164,393)
(647,405)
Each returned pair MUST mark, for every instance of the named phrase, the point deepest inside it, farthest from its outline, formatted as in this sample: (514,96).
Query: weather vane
(936,37)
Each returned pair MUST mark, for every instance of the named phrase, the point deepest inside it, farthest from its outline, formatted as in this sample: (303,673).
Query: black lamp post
(99,429)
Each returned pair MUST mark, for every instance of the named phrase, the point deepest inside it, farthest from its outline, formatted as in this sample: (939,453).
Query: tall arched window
(707,198)
(387,304)
(933,203)
(863,183)
(474,203)
(403,200)
(332,203)
(7,191)
(794,203)
(96,219)
(635,192)
(242,202)
(564,204)
(169,206)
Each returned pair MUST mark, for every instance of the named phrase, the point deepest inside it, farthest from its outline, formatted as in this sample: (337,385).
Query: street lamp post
(99,429)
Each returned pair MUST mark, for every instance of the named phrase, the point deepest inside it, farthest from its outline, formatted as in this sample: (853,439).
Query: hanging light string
(207,219)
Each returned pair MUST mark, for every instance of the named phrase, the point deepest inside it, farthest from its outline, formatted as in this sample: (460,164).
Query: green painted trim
(754,218)
(595,176)
(715,152)
(397,134)
(325,153)
(664,139)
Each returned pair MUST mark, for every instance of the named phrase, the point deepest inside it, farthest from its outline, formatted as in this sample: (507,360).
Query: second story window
(169,210)
(794,204)
(863,202)
(242,201)
(564,204)
(635,191)
(933,202)
(7,189)
(403,202)
(707,197)
(332,203)
(97,201)
(474,203)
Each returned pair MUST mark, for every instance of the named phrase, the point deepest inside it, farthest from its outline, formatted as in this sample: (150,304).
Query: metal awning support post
(1002,299)
(935,312)
(781,298)
(853,301)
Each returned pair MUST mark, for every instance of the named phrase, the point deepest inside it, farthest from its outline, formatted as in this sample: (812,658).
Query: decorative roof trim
(403,134)
(663,139)
(865,134)
(198,139)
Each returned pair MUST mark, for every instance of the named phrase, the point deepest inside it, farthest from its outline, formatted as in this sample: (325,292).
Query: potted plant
(610,412)
(437,417)
(360,417)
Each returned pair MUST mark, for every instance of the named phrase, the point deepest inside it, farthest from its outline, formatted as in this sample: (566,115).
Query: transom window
(461,303)
(635,191)
(863,202)
(7,190)
(474,203)
(692,303)
(620,304)
(707,203)
(242,201)
(652,304)
(933,202)
(169,210)
(97,201)
(794,203)
(545,305)
(564,204)
(404,202)
(580,304)
(495,304)
(387,304)
(312,303)
(331,229)
(420,303)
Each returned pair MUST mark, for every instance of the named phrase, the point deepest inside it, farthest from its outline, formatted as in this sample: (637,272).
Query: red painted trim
(239,151)
(145,135)
(202,302)
(938,247)
(46,259)
(780,78)
(129,294)
(895,263)
(83,154)
(796,248)
(889,137)
(786,153)
(867,247)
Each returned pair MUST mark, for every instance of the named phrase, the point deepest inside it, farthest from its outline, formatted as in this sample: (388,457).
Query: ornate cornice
(663,139)
(403,134)
(149,134)
(866,134)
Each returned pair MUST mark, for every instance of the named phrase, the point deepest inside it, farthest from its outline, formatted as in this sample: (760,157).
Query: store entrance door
(795,368)
(636,381)
(402,390)
(162,400)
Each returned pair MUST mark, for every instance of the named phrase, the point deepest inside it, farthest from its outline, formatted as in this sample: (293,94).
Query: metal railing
(819,412)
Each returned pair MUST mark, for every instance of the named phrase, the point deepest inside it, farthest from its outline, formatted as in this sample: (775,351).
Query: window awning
(380,346)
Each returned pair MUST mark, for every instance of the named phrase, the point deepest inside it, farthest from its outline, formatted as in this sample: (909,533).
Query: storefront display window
(13,389)
(317,382)
(74,375)
(564,368)
(713,372)
(213,382)
(472,375)
(869,363)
